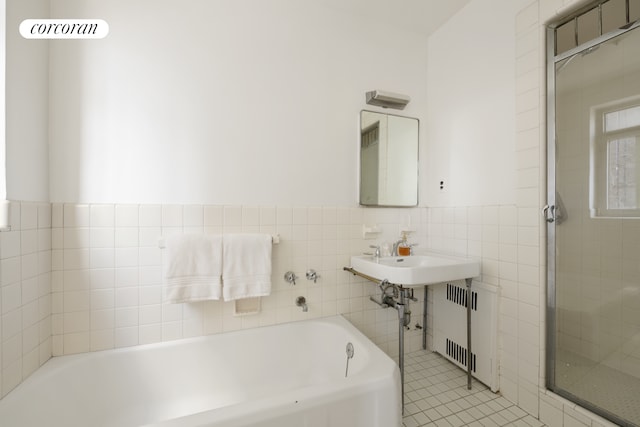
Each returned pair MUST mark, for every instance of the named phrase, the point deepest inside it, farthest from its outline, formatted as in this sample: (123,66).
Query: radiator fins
(458,295)
(459,354)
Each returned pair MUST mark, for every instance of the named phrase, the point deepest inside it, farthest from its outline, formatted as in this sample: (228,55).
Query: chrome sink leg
(469,354)
(424,320)
(401,308)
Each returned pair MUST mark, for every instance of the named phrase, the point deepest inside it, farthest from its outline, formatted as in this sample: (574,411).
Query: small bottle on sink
(404,248)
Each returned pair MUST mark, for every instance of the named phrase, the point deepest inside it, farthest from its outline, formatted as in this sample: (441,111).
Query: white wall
(485,146)
(27,105)
(471,107)
(3,57)
(220,102)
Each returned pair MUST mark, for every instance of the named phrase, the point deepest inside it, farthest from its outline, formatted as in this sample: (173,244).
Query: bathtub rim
(56,363)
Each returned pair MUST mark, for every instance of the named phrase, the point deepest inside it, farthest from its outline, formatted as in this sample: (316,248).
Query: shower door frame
(549,209)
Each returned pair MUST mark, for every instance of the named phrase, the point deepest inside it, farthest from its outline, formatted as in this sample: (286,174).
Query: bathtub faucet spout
(302,302)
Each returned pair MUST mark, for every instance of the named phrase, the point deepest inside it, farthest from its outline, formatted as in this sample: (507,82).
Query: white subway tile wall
(25,293)
(78,278)
(107,288)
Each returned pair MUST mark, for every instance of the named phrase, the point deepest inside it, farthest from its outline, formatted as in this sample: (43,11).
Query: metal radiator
(450,328)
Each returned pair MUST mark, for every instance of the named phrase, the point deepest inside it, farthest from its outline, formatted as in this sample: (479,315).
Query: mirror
(388,160)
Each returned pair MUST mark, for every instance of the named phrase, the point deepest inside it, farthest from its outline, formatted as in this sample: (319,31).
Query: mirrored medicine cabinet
(388,160)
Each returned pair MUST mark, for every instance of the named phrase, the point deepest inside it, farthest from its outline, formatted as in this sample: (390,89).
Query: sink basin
(417,270)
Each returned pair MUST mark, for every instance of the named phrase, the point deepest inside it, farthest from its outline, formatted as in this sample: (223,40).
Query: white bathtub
(278,376)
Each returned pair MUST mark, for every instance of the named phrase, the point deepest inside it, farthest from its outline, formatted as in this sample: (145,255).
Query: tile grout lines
(436,395)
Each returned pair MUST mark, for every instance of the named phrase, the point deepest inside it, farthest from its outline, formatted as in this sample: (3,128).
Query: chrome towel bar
(275,239)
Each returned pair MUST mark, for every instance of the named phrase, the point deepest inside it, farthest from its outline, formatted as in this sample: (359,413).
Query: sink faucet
(376,254)
(394,251)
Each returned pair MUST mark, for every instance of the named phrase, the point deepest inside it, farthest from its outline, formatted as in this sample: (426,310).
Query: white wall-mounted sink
(417,270)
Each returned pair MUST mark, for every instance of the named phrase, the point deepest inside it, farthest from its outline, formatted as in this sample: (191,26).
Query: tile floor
(436,395)
(611,389)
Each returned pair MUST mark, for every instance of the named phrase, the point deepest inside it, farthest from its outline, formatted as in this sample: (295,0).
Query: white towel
(246,266)
(193,268)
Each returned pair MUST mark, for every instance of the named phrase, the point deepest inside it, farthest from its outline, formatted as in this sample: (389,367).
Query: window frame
(599,159)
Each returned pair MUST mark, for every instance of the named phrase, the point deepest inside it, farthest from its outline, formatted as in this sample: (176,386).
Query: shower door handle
(549,213)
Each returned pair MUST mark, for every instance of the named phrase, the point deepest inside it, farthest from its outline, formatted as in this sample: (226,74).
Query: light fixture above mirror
(385,99)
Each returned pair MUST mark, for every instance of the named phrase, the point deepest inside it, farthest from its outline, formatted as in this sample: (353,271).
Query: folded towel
(246,266)
(193,268)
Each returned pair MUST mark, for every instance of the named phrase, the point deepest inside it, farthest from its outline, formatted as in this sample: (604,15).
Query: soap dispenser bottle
(404,248)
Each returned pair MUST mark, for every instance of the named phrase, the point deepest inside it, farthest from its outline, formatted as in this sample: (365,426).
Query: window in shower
(615,174)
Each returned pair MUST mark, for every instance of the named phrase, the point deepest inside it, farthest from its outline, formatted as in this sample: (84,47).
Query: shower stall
(593,211)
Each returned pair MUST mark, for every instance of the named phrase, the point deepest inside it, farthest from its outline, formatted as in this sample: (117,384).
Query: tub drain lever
(349,356)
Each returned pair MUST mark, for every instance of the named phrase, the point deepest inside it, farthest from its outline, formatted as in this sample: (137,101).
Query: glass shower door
(594,282)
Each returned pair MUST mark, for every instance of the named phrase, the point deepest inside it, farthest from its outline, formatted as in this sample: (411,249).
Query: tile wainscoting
(107,271)
(25,293)
(88,277)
